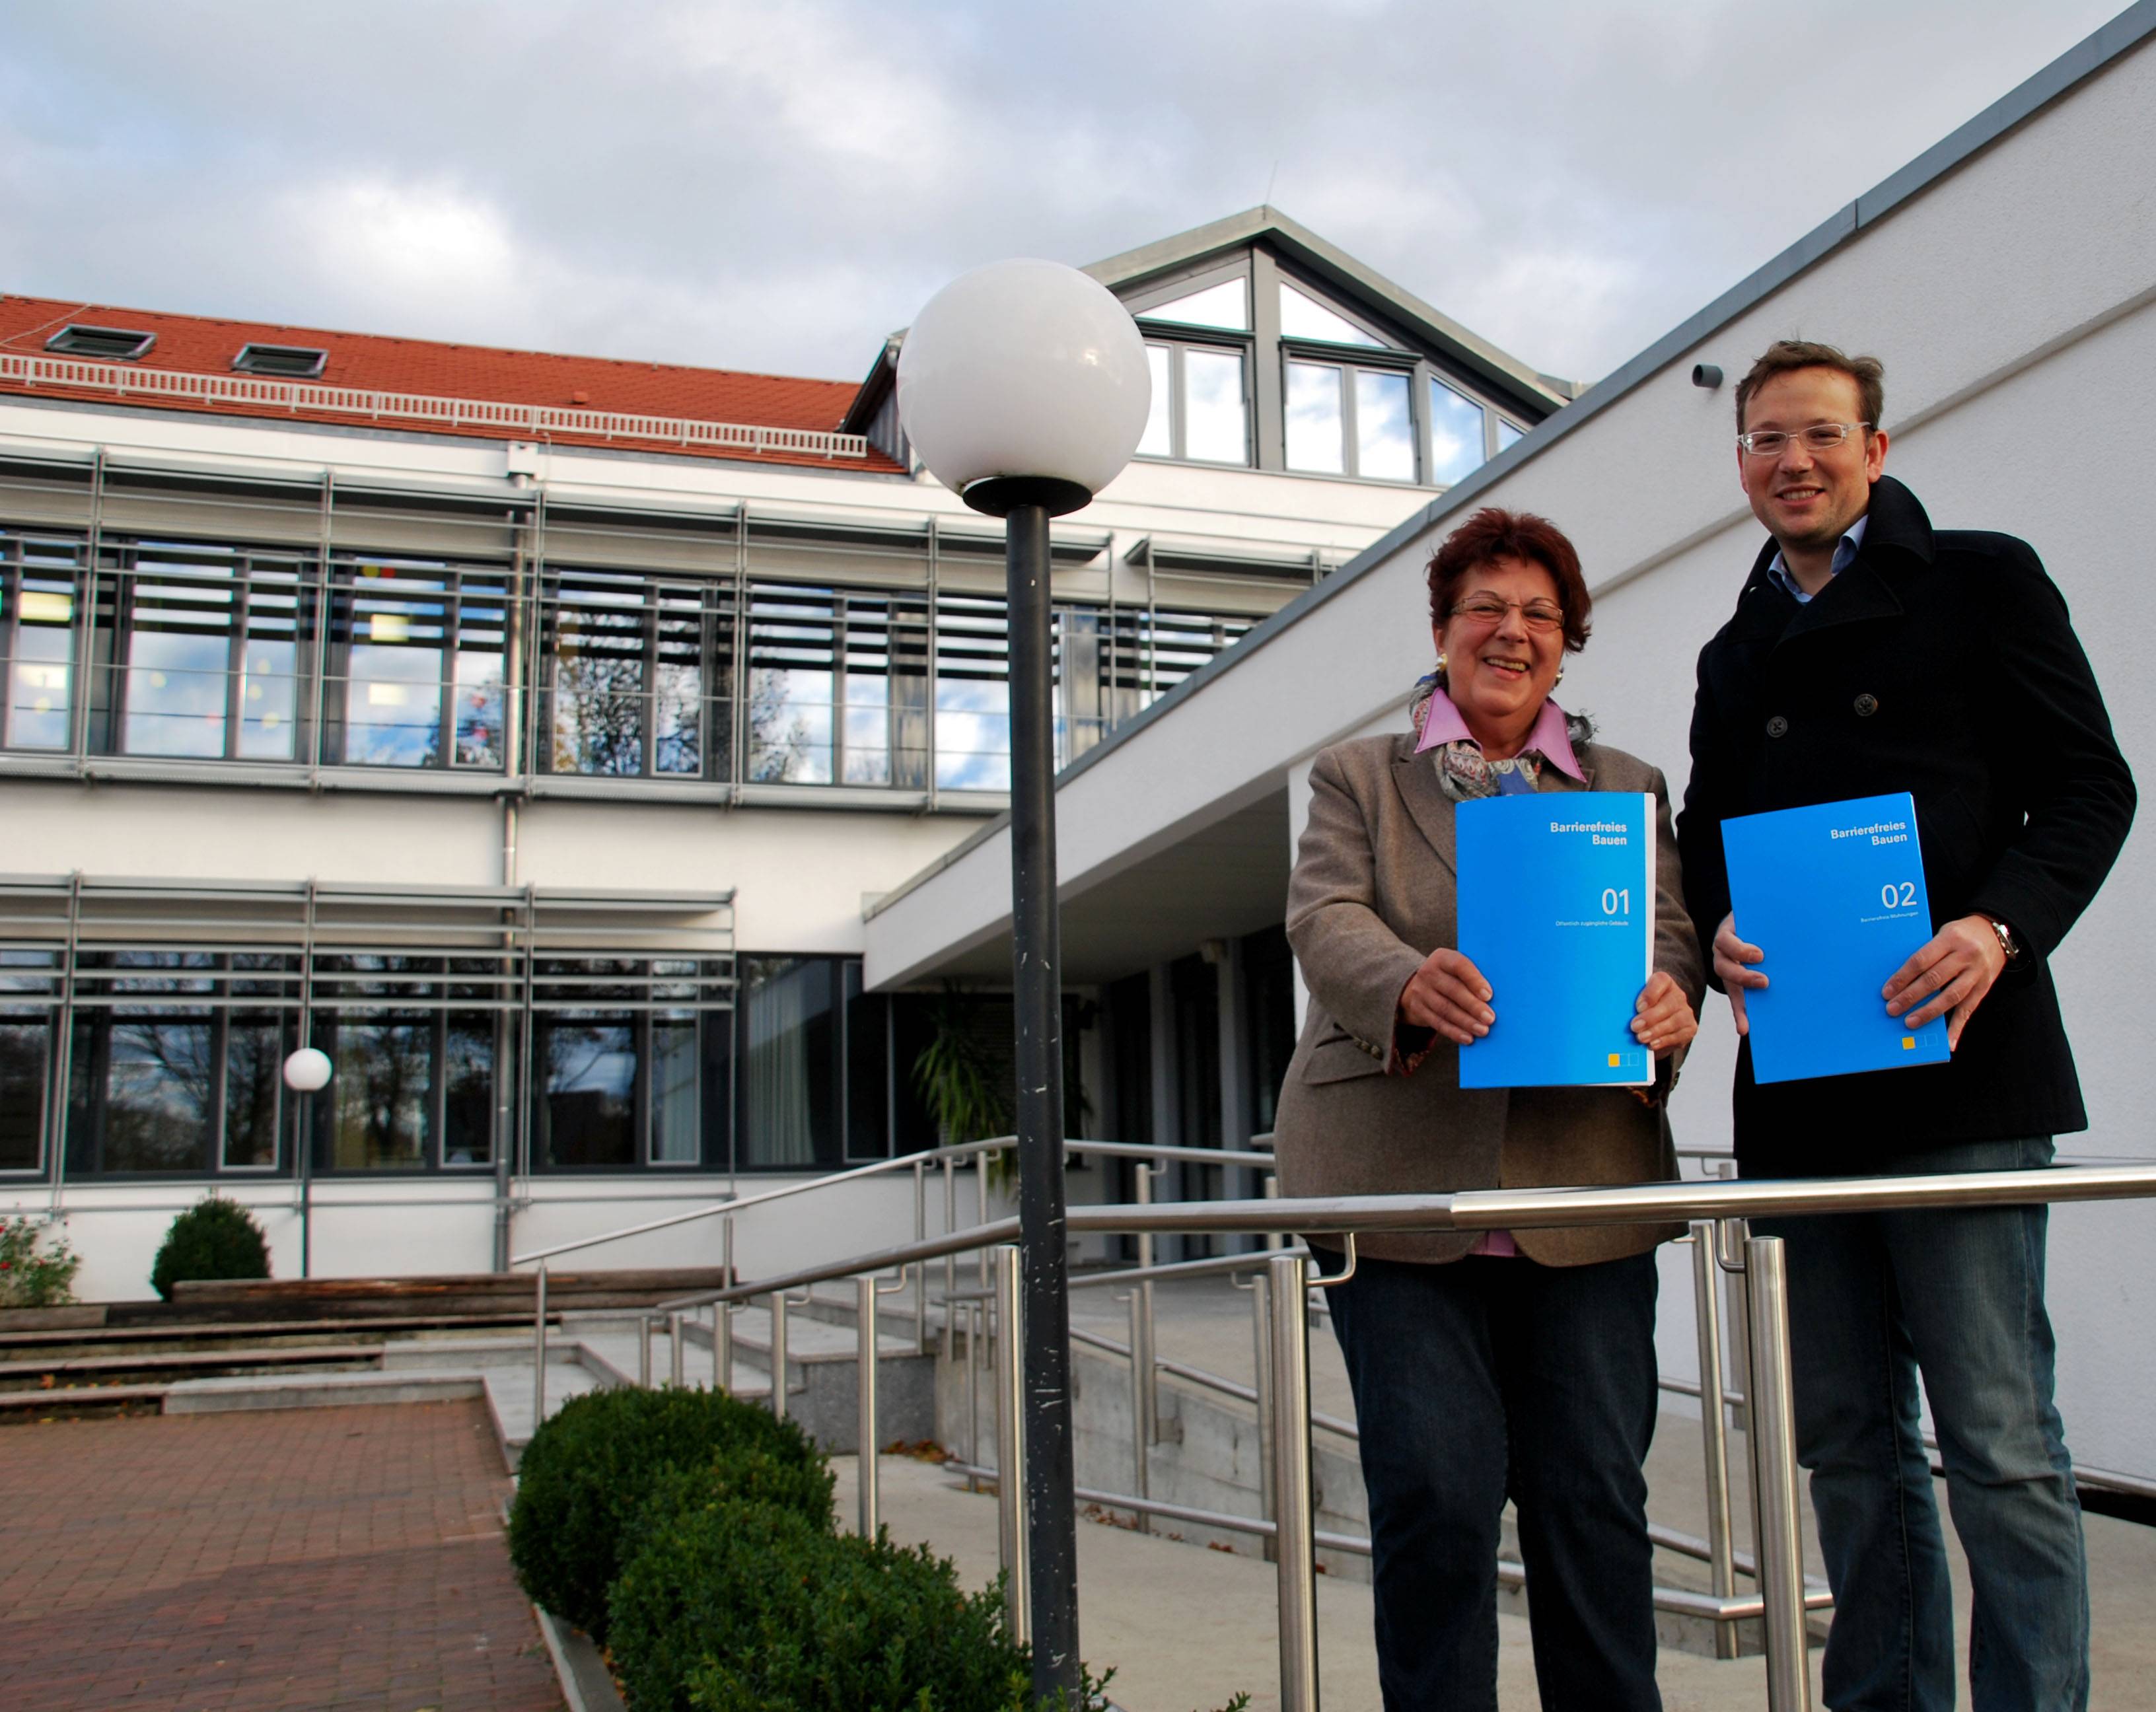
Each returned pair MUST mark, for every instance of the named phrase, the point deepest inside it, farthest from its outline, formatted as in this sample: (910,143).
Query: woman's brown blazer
(1371,1106)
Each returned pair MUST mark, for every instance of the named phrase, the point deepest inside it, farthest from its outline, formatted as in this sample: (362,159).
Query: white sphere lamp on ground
(1024,382)
(307,1071)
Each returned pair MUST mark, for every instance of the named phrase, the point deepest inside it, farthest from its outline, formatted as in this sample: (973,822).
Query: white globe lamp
(307,1071)
(1024,382)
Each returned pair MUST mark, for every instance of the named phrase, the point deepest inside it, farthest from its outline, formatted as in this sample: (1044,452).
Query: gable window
(1457,426)
(106,344)
(1302,317)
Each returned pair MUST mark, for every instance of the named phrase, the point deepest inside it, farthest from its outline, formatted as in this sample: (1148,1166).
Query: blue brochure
(1557,909)
(1833,895)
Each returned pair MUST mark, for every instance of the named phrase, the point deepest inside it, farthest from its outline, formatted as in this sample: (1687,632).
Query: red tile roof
(201,344)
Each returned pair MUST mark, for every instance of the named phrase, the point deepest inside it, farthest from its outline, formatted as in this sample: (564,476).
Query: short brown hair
(1784,355)
(1492,533)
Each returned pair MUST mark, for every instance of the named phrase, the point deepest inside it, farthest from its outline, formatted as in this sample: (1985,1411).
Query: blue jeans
(1956,1294)
(1494,1378)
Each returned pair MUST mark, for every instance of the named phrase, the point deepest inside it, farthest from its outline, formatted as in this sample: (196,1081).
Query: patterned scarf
(1462,770)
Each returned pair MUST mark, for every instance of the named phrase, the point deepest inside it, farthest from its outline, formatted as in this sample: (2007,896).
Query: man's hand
(1733,960)
(1948,977)
(1448,994)
(1665,1020)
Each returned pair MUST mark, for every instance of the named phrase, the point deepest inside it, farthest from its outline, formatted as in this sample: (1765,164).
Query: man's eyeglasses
(1819,436)
(1488,609)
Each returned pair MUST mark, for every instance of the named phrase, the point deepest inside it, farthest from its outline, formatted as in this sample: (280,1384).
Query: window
(972,695)
(208,644)
(29,987)
(417,665)
(1456,428)
(1302,317)
(413,1043)
(37,594)
(176,1066)
(838,688)
(628,665)
(1226,305)
(620,1068)
(816,1066)
(106,344)
(1349,421)
(292,363)
(1201,410)
(1508,435)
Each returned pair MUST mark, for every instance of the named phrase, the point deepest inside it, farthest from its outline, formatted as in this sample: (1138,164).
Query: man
(1871,653)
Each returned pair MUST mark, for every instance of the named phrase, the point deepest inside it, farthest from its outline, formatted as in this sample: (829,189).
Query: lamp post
(1024,388)
(306,1074)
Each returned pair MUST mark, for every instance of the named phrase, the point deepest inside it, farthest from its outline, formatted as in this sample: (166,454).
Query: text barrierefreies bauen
(1604,831)
(1880,832)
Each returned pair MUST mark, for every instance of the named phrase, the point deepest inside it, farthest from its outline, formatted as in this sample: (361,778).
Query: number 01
(1616,902)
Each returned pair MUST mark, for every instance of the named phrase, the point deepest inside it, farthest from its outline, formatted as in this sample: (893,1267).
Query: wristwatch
(2007,943)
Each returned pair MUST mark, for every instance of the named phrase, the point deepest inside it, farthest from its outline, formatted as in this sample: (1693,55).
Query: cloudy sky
(775,184)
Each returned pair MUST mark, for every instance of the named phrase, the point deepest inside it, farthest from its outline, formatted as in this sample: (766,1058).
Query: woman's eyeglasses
(1488,609)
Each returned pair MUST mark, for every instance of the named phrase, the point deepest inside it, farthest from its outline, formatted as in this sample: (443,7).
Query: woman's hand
(1665,1020)
(1448,994)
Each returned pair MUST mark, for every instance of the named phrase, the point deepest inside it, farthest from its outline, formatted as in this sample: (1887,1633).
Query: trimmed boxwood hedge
(727,1607)
(590,1468)
(214,1239)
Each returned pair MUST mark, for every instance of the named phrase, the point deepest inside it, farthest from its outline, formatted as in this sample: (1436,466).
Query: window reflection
(37,621)
(1455,434)
(1385,434)
(1302,317)
(1156,442)
(254,1066)
(790,1069)
(141,1094)
(1216,412)
(676,1128)
(588,1098)
(416,634)
(1226,305)
(1314,428)
(25,1044)
(380,1091)
(1508,434)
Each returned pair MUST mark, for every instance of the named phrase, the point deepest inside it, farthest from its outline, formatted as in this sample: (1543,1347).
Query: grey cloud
(773,186)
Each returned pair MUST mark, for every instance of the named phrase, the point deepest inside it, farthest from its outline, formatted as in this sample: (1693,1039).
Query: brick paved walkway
(308,1558)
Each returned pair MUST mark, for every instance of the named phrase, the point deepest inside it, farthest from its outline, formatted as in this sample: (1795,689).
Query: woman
(1519,1365)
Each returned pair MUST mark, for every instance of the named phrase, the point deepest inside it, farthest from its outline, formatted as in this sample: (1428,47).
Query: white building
(2007,277)
(530,732)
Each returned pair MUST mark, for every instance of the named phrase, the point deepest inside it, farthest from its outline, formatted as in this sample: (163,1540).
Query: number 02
(1616,902)
(1899,897)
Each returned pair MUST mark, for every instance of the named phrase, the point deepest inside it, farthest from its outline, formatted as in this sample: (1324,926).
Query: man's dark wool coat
(1941,663)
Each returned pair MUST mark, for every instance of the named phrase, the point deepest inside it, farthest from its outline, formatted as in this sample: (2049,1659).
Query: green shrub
(35,1273)
(214,1239)
(588,1470)
(728,1606)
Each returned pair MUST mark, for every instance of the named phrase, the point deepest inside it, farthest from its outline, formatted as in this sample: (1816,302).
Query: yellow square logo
(1908,1042)
(1612,1060)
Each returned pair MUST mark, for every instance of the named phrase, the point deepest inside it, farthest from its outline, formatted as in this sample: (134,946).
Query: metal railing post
(974,1315)
(1288,1355)
(950,1261)
(1142,1427)
(1713,1429)
(1261,1331)
(539,1349)
(723,1346)
(1772,1436)
(981,1208)
(674,1350)
(921,1280)
(1010,1447)
(1273,1239)
(1145,1368)
(865,1313)
(644,1352)
(778,1354)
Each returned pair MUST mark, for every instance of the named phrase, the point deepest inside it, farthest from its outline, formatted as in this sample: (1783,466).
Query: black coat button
(1777,727)
(1866,705)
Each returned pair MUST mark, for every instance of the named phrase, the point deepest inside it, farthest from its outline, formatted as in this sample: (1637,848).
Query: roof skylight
(107,344)
(291,363)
